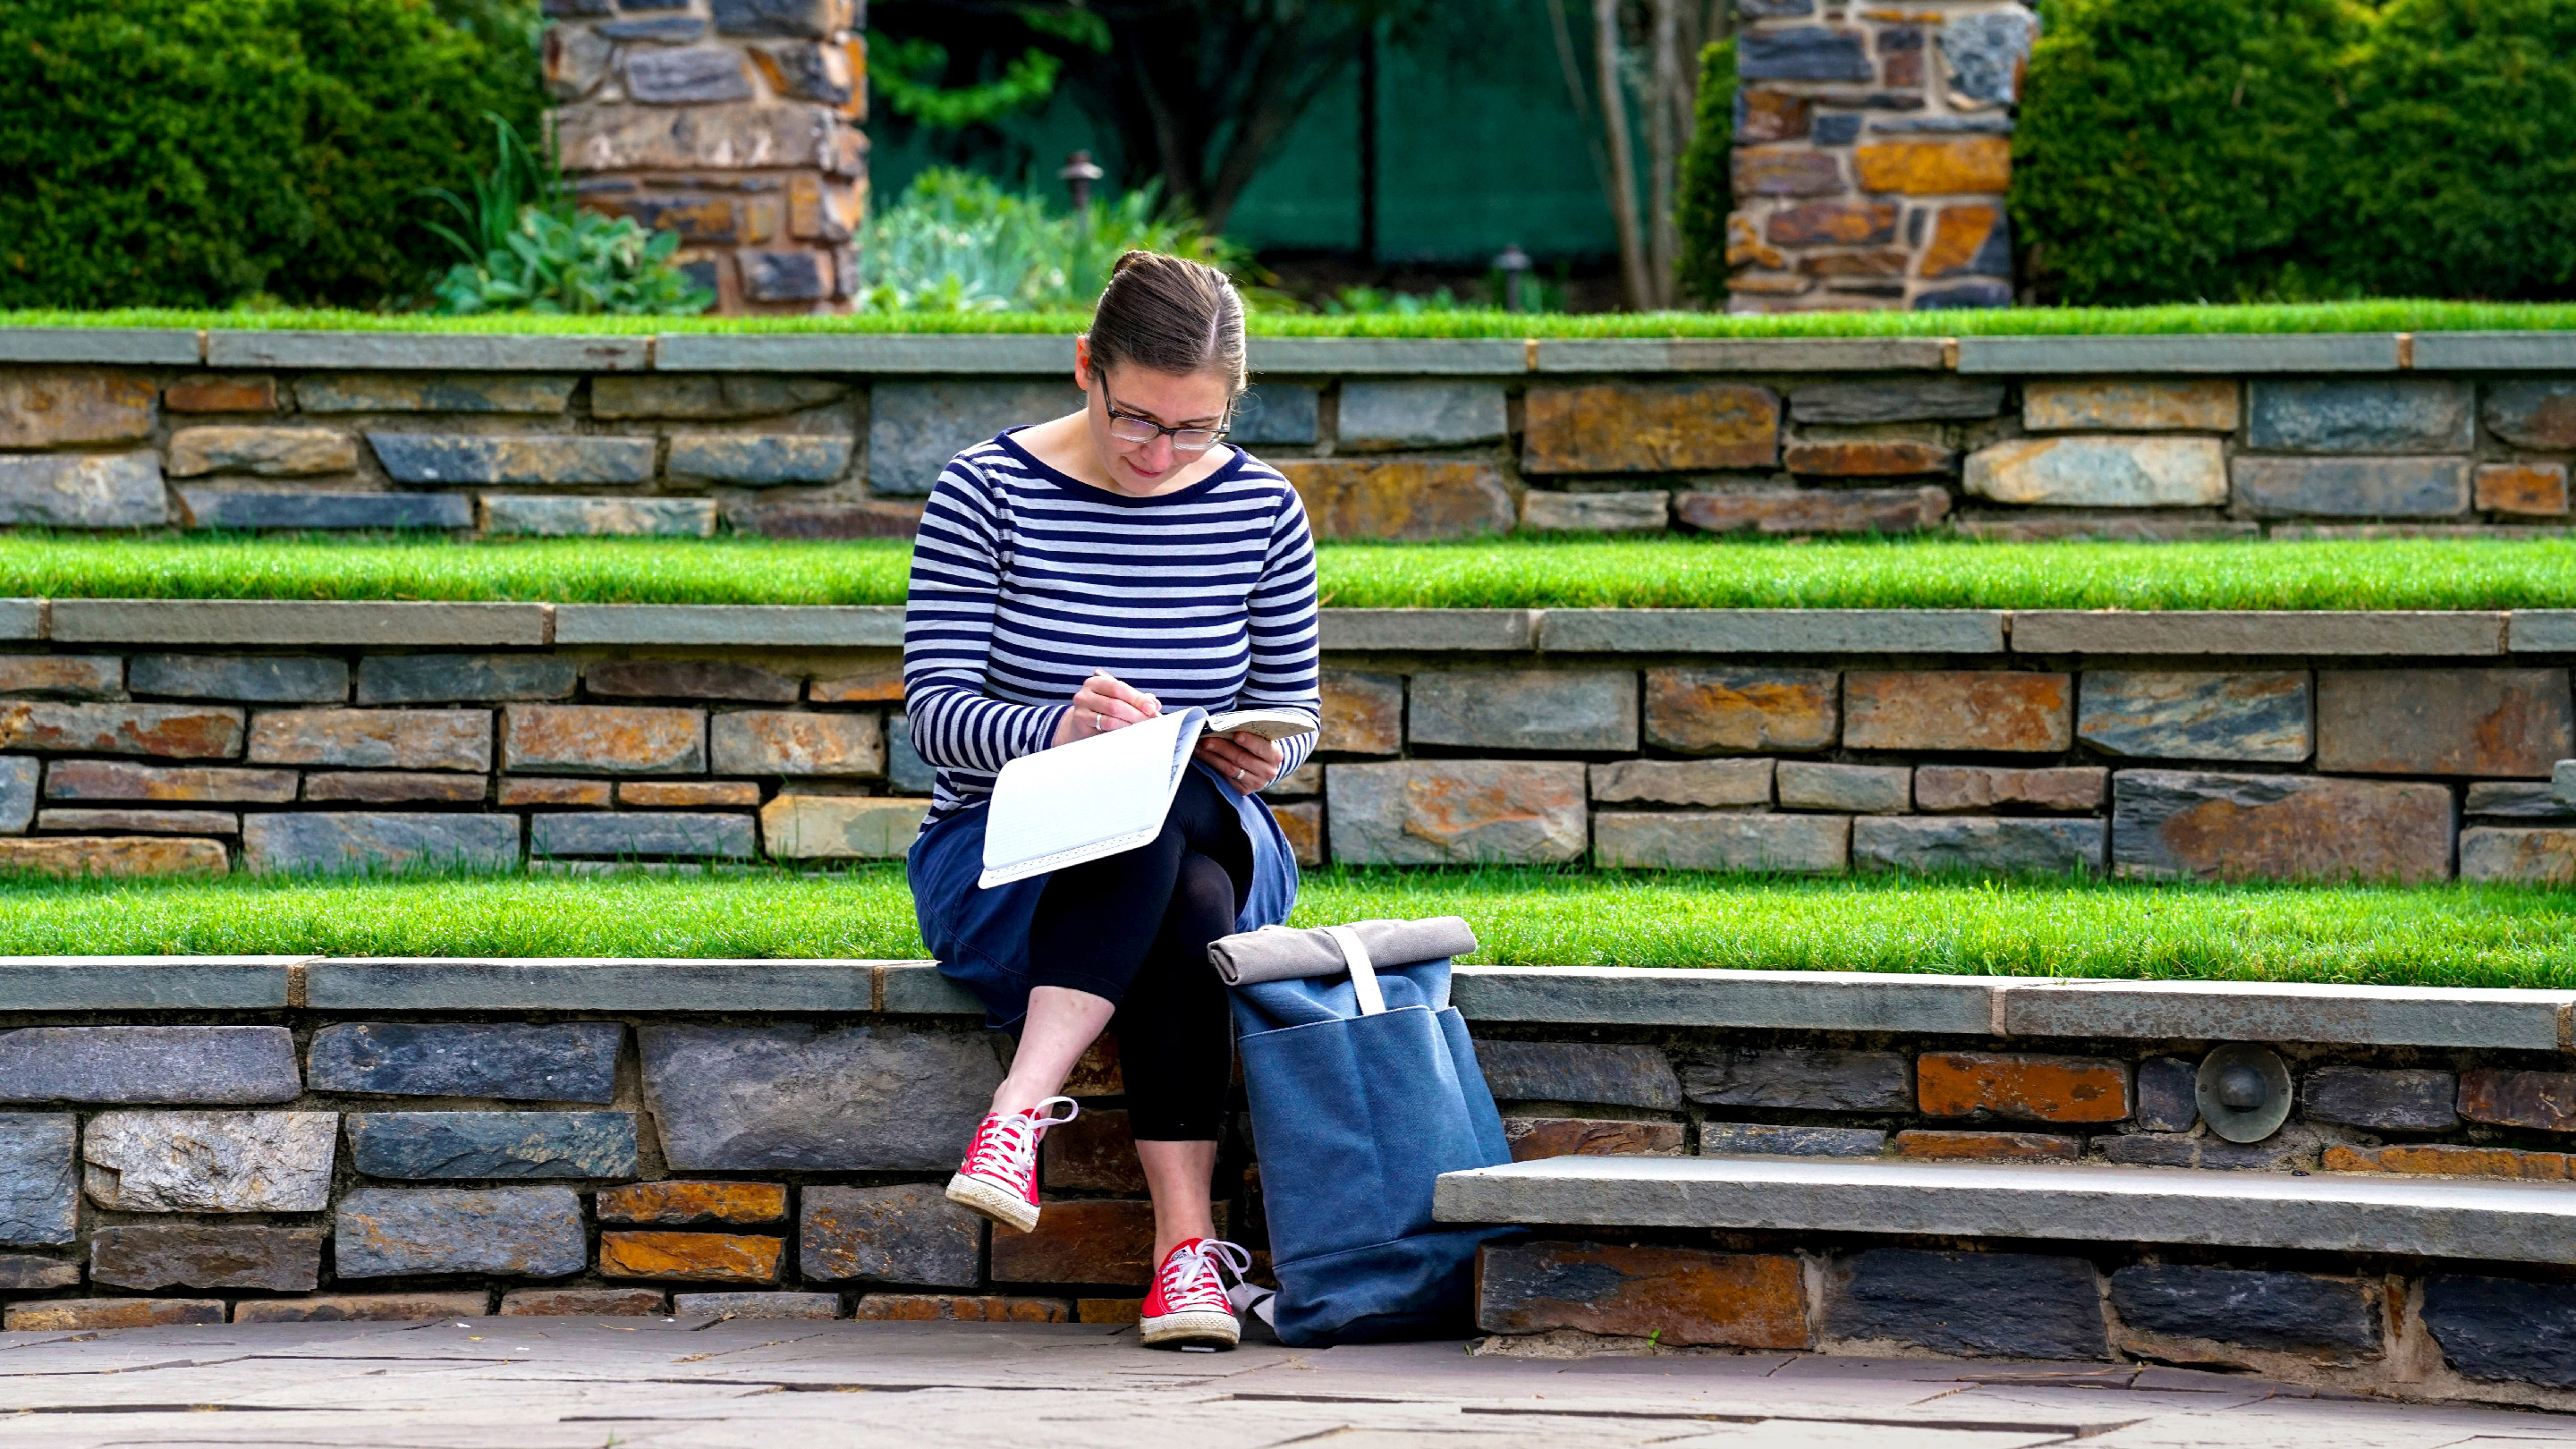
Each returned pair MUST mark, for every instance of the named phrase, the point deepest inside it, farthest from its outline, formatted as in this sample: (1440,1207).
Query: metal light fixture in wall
(2244,1091)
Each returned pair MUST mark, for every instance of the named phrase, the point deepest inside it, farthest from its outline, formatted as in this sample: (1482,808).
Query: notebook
(1103,793)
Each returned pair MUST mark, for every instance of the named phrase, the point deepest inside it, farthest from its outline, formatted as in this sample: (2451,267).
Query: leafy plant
(957,242)
(528,248)
(1707,181)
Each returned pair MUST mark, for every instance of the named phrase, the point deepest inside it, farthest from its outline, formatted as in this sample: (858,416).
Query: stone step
(2501,1221)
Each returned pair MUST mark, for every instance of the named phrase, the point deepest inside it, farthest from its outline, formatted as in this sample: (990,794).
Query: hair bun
(1130,259)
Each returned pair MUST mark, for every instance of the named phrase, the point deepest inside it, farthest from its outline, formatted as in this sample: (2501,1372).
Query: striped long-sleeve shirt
(1024,581)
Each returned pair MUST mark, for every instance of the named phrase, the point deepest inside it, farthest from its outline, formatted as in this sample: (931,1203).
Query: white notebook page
(1096,796)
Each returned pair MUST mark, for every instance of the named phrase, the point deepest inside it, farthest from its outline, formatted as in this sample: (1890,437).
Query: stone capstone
(1687,1296)
(569,1062)
(201,1255)
(795,1097)
(1441,812)
(2189,823)
(170,1064)
(2501,1329)
(1800,1079)
(210,1162)
(82,490)
(39,1201)
(2003,1305)
(2392,1099)
(1986,845)
(2101,472)
(1649,427)
(2352,415)
(2197,716)
(2487,722)
(260,678)
(2284,1312)
(906,1233)
(525,1232)
(1540,1071)
(1733,711)
(1408,499)
(493,1144)
(347,842)
(1526,709)
(1694,840)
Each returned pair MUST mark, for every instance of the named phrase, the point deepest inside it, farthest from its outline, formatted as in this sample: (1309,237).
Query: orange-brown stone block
(1814,510)
(1959,240)
(1363,713)
(1772,116)
(1868,458)
(1786,171)
(368,1308)
(876,686)
(2169,824)
(2546,1100)
(221,395)
(581,1302)
(1533,1138)
(1416,500)
(1944,166)
(1958,709)
(604,739)
(1935,1144)
(2447,1160)
(374,739)
(2534,489)
(682,1204)
(1672,1295)
(687,794)
(1303,824)
(1948,789)
(1741,711)
(1649,427)
(1885,262)
(1096,1073)
(593,793)
(961,1308)
(2029,1088)
(112,855)
(2487,723)
(1101,1241)
(74,1315)
(1108,1310)
(689,1257)
(1833,223)
(178,731)
(43,408)
(1093,1152)
(1745,247)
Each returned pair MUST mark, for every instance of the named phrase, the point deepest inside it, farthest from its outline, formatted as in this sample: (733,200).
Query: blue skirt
(981,937)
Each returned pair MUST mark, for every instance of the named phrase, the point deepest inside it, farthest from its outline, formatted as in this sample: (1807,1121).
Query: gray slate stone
(493,1144)
(1801,1079)
(810,19)
(793,1097)
(2291,1149)
(1852,789)
(210,1162)
(708,395)
(554,516)
(532,1232)
(18,775)
(2533,412)
(908,1234)
(2407,1099)
(2504,1329)
(314,509)
(459,458)
(1985,53)
(693,76)
(1896,400)
(2168,1097)
(1991,845)
(1748,1140)
(1277,412)
(570,1062)
(437,392)
(263,678)
(2159,715)
(1419,414)
(2518,800)
(906,770)
(2002,1305)
(1526,709)
(2285,1312)
(26,1272)
(758,459)
(446,678)
(914,428)
(2351,487)
(1551,1071)
(1714,840)
(82,490)
(625,833)
(173,1064)
(756,1305)
(357,842)
(2360,415)
(39,1197)
(202,1255)
(1805,52)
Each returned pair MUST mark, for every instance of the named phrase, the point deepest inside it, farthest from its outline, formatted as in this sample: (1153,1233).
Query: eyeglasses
(1129,428)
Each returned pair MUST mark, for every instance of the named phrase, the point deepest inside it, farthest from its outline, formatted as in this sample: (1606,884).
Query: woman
(1080,576)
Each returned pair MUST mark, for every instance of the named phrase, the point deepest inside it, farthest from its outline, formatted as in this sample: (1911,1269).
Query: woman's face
(1197,400)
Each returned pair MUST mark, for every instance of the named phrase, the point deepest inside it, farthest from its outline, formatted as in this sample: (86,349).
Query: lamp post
(1077,176)
(1514,264)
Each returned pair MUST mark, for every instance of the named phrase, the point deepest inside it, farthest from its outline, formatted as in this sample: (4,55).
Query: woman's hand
(1104,704)
(1246,760)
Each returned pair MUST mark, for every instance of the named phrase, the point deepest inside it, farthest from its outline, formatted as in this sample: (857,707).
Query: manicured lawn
(2393,315)
(2441,936)
(1513,573)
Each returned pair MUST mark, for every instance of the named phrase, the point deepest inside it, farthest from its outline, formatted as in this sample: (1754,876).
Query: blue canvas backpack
(1364,1089)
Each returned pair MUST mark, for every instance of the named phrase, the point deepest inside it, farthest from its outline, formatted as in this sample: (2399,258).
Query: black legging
(1134,928)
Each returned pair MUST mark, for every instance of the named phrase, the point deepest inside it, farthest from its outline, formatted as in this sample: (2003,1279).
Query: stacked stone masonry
(838,437)
(410,1140)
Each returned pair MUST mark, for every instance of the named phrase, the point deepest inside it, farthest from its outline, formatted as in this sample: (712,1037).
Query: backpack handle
(1355,953)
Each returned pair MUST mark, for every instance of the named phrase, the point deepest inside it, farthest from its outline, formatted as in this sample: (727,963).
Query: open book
(1103,793)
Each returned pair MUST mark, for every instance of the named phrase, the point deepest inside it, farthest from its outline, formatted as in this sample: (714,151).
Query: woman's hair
(1172,315)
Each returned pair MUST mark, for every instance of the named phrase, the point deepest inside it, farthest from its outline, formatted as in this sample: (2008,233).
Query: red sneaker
(1188,1304)
(1000,1178)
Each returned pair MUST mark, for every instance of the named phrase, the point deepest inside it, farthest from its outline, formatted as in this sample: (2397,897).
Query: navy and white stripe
(1024,581)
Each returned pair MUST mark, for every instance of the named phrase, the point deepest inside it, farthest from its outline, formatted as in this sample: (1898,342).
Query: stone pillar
(1872,151)
(731,122)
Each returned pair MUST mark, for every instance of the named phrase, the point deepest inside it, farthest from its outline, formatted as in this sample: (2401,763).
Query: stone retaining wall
(141,736)
(821,436)
(272,1138)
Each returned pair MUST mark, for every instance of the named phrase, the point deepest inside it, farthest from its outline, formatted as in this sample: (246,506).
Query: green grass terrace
(2392,315)
(1517,573)
(2424,936)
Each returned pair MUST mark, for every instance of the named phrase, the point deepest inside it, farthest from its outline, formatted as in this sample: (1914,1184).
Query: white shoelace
(1193,1277)
(1010,1147)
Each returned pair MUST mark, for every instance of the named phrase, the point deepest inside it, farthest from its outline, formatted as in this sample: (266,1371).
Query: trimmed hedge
(1707,179)
(195,152)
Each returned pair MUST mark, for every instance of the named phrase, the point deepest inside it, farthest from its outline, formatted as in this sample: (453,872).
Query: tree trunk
(1633,269)
(1668,125)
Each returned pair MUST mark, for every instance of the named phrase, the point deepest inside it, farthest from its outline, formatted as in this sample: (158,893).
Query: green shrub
(528,249)
(957,242)
(2182,149)
(1707,181)
(193,152)
(2464,151)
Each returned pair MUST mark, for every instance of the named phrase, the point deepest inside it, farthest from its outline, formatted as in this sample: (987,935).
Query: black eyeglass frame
(1216,434)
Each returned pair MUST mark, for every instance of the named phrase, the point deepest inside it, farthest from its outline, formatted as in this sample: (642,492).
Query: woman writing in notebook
(1072,578)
